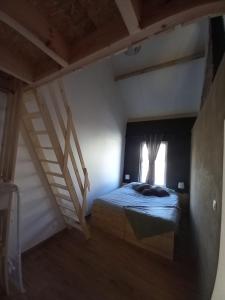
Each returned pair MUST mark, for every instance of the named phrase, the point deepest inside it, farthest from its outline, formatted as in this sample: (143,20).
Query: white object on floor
(11,268)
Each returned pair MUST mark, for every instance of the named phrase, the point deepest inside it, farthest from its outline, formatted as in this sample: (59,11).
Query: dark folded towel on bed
(155,191)
(149,190)
(139,187)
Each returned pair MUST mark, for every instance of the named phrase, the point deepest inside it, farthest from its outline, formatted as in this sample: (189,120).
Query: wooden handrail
(69,134)
(67,141)
(63,129)
(55,142)
(86,187)
(74,134)
(61,155)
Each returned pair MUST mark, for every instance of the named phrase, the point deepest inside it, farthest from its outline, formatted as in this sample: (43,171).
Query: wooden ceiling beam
(95,47)
(27,21)
(14,65)
(113,39)
(129,10)
(163,65)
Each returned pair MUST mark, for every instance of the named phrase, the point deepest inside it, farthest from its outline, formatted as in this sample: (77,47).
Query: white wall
(169,91)
(100,123)
(39,216)
(179,42)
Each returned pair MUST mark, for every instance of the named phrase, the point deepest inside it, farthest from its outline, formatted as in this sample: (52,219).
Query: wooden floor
(67,267)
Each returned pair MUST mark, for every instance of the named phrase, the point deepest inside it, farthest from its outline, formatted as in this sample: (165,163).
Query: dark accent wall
(177,132)
(218,41)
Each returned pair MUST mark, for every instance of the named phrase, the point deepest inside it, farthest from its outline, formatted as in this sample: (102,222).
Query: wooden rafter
(114,38)
(96,46)
(208,75)
(14,65)
(166,64)
(27,21)
(11,134)
(141,20)
(130,14)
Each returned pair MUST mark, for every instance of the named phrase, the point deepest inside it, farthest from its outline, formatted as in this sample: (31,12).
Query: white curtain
(153,142)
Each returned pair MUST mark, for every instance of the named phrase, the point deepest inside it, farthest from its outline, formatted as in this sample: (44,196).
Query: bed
(148,222)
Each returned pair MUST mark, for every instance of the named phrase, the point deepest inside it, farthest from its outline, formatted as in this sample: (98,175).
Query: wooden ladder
(59,156)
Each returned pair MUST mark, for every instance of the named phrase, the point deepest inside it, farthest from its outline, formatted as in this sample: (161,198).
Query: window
(160,164)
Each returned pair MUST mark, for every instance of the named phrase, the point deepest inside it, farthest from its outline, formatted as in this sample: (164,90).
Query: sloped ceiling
(173,90)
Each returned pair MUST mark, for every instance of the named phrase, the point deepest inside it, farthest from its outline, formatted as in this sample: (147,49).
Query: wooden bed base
(114,221)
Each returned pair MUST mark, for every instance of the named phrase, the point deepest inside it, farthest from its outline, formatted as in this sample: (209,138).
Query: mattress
(148,215)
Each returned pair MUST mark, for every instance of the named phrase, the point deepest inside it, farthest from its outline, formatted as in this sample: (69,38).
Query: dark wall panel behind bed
(177,132)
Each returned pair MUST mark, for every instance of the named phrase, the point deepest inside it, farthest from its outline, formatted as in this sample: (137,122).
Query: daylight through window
(160,164)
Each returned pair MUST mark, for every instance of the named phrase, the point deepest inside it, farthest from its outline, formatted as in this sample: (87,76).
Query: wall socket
(127,176)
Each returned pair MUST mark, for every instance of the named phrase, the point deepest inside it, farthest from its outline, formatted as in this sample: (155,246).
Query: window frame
(166,157)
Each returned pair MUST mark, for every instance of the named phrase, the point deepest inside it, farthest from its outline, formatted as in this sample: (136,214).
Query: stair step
(55,174)
(49,161)
(28,99)
(58,185)
(62,196)
(69,217)
(36,132)
(44,148)
(65,207)
(34,115)
(73,223)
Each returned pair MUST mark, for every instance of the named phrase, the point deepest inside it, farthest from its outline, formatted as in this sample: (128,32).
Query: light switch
(214,205)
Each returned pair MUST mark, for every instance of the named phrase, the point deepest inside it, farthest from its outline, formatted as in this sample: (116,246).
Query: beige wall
(206,181)
(219,288)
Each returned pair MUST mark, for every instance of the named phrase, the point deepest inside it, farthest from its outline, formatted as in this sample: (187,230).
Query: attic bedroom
(112,149)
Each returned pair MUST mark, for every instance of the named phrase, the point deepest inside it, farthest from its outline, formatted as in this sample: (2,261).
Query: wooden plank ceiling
(41,40)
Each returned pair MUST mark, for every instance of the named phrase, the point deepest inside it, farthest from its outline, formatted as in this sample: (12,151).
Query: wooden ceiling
(41,40)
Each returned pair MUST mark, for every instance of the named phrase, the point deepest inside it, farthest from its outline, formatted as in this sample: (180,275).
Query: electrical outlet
(127,176)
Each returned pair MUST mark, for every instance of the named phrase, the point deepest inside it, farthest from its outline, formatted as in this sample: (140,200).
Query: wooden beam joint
(130,14)
(27,21)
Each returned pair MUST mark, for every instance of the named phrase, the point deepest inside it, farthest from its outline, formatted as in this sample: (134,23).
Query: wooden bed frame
(114,221)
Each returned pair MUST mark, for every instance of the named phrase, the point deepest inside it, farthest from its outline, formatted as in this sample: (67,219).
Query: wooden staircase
(48,125)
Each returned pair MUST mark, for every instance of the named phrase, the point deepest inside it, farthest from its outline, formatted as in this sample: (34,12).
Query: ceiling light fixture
(133,50)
